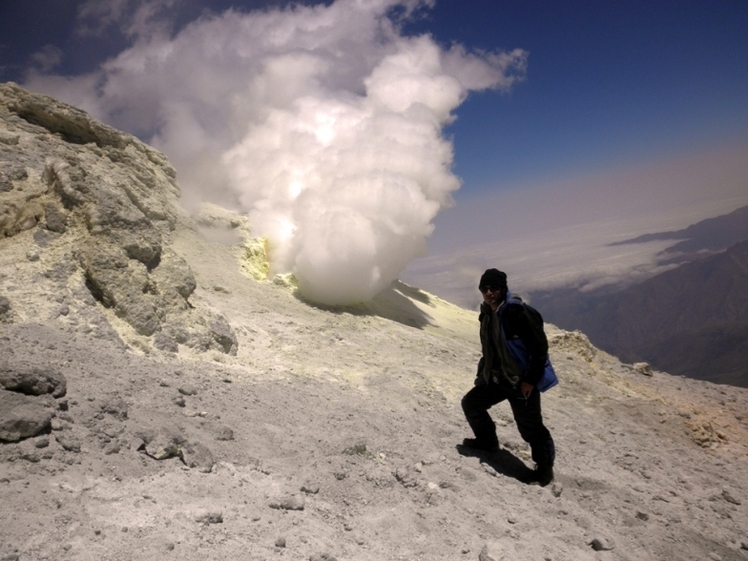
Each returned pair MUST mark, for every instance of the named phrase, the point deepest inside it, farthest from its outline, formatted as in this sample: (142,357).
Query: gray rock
(21,416)
(601,544)
(112,447)
(187,390)
(165,444)
(197,456)
(42,238)
(484,555)
(117,407)
(33,381)
(310,488)
(224,335)
(8,138)
(174,278)
(224,433)
(55,218)
(322,557)
(288,503)
(68,441)
(16,217)
(210,518)
(730,498)
(5,307)
(165,343)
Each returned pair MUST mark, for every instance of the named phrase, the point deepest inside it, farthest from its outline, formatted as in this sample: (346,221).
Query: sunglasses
(490,287)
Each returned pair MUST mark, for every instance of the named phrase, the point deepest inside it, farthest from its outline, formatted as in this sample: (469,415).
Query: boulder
(32,380)
(21,416)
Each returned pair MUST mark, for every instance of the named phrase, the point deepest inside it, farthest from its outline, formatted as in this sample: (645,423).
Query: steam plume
(323,123)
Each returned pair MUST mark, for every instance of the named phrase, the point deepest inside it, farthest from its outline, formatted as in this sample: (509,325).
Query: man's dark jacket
(518,323)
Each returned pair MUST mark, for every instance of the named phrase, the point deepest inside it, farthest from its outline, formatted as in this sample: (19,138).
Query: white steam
(322,123)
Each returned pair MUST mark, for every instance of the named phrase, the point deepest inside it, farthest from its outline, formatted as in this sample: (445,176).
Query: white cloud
(136,18)
(47,58)
(323,123)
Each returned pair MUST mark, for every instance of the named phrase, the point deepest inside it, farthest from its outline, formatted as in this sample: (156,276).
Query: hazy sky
(568,124)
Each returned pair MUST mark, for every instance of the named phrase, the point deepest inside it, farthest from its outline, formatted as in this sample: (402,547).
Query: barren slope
(320,433)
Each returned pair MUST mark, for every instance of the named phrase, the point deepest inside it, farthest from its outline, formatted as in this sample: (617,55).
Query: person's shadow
(503,461)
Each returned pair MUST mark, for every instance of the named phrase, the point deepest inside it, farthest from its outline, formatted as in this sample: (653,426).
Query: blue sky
(607,83)
(616,97)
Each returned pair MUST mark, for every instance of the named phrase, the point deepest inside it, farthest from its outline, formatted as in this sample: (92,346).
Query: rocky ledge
(100,206)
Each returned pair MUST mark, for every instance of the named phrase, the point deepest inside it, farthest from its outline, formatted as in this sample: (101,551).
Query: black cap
(493,277)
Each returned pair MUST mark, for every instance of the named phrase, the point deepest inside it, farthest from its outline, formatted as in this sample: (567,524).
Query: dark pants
(527,415)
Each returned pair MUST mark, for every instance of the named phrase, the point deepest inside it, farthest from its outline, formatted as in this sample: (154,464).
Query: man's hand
(526,389)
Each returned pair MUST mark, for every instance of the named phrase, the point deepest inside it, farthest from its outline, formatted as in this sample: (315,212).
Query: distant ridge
(691,320)
(710,236)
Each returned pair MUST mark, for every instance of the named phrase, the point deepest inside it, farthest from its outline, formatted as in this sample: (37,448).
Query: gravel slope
(333,433)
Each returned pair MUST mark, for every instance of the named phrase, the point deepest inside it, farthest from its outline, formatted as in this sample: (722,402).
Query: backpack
(518,350)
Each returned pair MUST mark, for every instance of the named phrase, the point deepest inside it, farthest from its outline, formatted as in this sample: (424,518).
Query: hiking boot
(483,445)
(542,475)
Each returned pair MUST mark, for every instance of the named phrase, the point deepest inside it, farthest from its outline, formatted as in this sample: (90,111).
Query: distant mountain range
(691,320)
(708,236)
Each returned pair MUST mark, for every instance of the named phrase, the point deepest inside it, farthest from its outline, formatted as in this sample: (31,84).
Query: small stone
(288,503)
(557,489)
(730,498)
(310,489)
(280,542)
(178,401)
(112,447)
(322,557)
(714,556)
(68,441)
(187,390)
(116,407)
(41,442)
(484,555)
(197,456)
(224,433)
(642,516)
(599,544)
(210,518)
(165,444)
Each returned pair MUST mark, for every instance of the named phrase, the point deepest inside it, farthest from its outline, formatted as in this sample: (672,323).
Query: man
(503,322)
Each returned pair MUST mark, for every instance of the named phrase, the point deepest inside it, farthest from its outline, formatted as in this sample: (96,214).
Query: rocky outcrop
(101,206)
(27,403)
